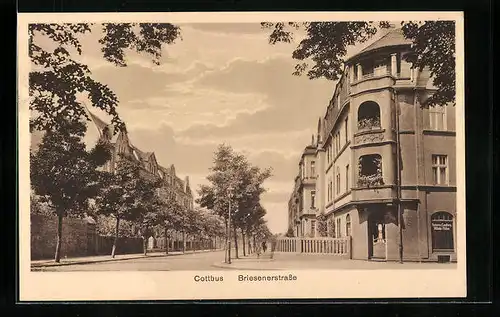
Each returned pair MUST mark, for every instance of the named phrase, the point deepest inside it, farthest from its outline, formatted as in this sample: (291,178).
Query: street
(209,261)
(185,262)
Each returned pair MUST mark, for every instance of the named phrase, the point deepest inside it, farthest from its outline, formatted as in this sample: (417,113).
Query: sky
(221,83)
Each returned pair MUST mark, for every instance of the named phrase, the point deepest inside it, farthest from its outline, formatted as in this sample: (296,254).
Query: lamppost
(230,193)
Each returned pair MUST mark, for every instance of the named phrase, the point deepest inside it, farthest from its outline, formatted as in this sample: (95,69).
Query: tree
(64,174)
(289,233)
(148,210)
(325,47)
(171,213)
(322,225)
(235,185)
(57,77)
(126,195)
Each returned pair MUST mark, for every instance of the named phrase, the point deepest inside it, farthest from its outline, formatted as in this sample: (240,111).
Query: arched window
(348,225)
(368,116)
(370,171)
(442,231)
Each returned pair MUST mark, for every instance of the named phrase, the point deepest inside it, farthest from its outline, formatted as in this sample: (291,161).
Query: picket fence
(321,245)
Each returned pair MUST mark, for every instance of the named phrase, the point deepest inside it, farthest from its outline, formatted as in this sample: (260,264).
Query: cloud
(295,102)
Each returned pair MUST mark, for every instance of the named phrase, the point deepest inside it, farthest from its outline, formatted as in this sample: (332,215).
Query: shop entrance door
(377,240)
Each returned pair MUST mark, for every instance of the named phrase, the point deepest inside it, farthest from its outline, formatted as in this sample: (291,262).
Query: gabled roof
(394,37)
(97,121)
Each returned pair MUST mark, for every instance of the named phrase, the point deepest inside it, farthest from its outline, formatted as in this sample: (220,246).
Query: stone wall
(79,238)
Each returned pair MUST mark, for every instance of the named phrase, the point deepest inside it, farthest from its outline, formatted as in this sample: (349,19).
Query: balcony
(309,211)
(373,135)
(308,180)
(380,192)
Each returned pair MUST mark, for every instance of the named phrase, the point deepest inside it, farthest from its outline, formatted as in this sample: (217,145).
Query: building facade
(303,201)
(121,145)
(380,149)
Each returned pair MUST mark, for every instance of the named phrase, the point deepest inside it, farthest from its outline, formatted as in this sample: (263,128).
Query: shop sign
(441,225)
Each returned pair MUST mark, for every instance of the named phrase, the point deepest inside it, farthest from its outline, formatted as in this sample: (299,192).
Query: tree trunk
(115,242)
(166,240)
(59,237)
(183,242)
(236,243)
(243,242)
(145,241)
(254,244)
(249,243)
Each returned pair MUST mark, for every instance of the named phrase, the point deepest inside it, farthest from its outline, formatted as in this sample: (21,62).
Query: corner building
(379,104)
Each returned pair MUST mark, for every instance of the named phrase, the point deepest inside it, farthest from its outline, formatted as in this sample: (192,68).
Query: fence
(333,246)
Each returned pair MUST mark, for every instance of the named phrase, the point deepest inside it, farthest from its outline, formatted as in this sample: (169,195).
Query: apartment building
(121,144)
(380,149)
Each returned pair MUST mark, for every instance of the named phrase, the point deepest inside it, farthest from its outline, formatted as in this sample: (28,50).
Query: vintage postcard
(179,156)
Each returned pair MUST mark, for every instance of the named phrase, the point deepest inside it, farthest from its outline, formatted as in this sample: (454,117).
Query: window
(368,116)
(330,189)
(442,231)
(313,228)
(338,180)
(348,225)
(338,143)
(313,199)
(338,233)
(370,171)
(437,118)
(346,129)
(338,98)
(440,169)
(313,169)
(347,178)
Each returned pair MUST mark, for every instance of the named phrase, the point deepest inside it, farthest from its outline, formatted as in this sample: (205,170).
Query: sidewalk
(108,258)
(287,261)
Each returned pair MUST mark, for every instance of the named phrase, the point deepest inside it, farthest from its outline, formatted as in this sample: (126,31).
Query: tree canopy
(64,175)
(57,76)
(323,50)
(236,186)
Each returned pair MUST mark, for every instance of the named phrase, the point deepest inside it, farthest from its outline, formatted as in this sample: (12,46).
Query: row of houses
(379,148)
(122,145)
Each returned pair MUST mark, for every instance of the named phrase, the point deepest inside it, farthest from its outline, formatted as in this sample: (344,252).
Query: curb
(229,267)
(36,266)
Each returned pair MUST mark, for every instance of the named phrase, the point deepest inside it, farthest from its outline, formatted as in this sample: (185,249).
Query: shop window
(370,171)
(442,231)
(368,116)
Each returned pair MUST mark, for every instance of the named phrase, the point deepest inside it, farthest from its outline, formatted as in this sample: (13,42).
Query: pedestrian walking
(264,246)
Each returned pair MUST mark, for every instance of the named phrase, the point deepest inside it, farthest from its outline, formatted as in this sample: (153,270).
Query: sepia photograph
(217,149)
